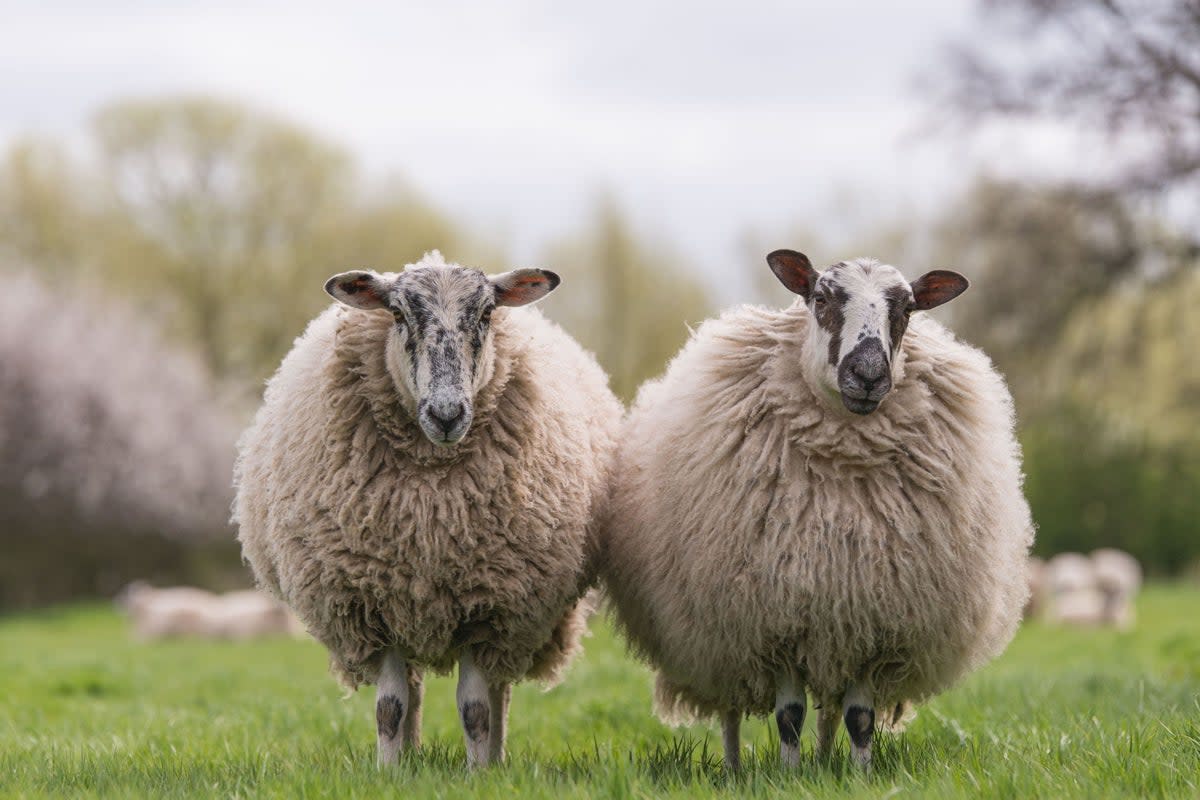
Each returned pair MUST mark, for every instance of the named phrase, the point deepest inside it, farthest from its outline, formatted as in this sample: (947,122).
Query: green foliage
(1089,489)
(1113,457)
(1032,254)
(1064,713)
(1131,356)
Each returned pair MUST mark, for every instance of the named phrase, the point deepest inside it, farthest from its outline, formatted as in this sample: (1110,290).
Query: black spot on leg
(389,713)
(475,720)
(860,724)
(790,720)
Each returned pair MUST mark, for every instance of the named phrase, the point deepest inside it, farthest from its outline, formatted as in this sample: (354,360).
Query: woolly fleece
(376,537)
(756,527)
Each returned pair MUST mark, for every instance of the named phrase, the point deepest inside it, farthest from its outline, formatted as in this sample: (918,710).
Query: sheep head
(861,309)
(440,351)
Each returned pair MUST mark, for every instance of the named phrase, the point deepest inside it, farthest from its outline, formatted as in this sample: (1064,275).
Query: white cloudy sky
(706,119)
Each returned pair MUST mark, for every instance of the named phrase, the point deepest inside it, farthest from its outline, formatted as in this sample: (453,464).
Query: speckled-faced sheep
(824,497)
(401,541)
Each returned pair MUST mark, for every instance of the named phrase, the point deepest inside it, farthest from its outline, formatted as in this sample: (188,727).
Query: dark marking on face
(475,720)
(389,713)
(790,720)
(899,303)
(831,314)
(860,724)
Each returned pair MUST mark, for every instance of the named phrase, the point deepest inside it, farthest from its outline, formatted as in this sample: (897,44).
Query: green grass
(1064,713)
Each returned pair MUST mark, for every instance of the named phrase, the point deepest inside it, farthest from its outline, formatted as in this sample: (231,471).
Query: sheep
(1118,578)
(824,497)
(186,612)
(180,611)
(1069,592)
(402,543)
(1036,576)
(250,614)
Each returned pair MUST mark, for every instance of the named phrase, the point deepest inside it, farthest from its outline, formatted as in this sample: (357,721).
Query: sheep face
(439,351)
(861,309)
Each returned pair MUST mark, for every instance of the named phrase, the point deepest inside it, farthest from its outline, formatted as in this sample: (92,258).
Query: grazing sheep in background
(184,612)
(1070,593)
(1092,590)
(1035,571)
(827,496)
(1118,578)
(179,611)
(250,614)
(402,542)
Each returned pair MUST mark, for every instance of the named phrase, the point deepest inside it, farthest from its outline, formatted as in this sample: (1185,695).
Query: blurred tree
(224,222)
(43,216)
(229,204)
(1131,357)
(115,451)
(629,301)
(1127,67)
(1033,254)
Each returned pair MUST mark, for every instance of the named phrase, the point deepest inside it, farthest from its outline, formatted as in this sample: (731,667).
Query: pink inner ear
(524,289)
(935,288)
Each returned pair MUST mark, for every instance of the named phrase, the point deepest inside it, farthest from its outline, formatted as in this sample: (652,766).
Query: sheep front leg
(790,707)
(474,709)
(498,697)
(731,722)
(391,706)
(859,712)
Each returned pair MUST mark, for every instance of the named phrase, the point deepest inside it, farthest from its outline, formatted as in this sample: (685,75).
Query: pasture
(1064,713)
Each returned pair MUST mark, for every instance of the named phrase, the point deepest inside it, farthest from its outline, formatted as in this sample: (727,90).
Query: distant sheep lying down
(184,612)
(824,497)
(1096,590)
(419,487)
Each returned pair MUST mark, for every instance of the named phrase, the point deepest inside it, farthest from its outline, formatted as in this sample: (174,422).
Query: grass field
(86,711)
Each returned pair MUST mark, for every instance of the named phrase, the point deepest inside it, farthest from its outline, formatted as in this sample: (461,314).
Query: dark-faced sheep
(826,497)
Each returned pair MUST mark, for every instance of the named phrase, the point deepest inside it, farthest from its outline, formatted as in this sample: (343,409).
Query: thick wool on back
(376,537)
(755,529)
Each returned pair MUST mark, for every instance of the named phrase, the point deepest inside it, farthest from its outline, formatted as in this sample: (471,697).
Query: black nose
(869,375)
(447,416)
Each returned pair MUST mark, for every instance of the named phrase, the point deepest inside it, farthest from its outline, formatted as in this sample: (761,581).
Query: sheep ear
(523,286)
(359,289)
(794,271)
(935,288)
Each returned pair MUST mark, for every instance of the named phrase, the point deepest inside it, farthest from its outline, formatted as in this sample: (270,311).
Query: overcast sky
(705,119)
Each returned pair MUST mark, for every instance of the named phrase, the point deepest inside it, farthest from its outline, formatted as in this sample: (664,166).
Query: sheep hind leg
(731,722)
(391,706)
(498,698)
(473,709)
(859,714)
(412,719)
(827,720)
(790,708)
